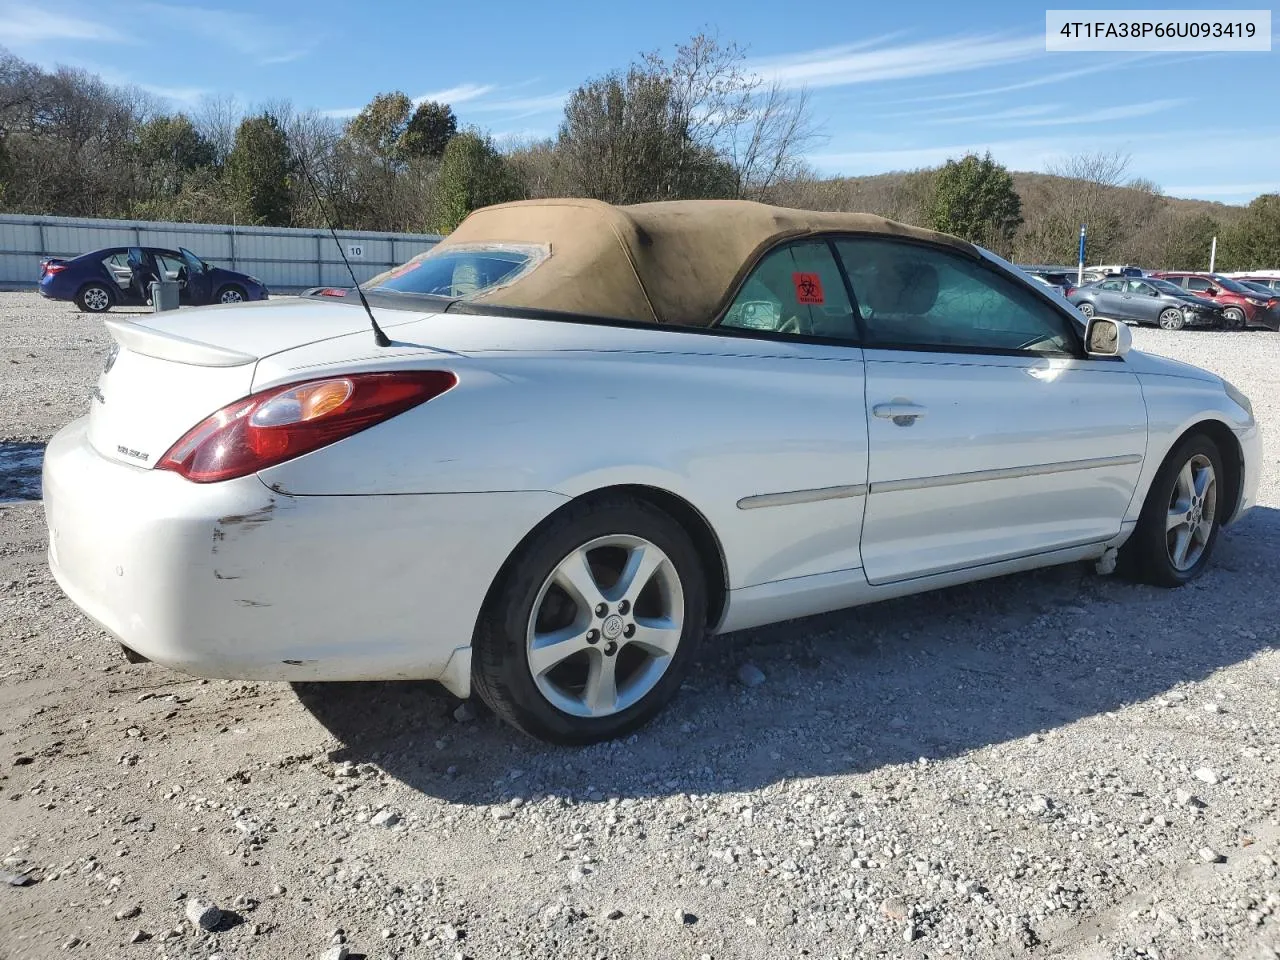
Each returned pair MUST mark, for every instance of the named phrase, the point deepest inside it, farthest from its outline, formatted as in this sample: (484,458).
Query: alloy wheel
(96,299)
(1193,510)
(605,626)
(1172,319)
(231,296)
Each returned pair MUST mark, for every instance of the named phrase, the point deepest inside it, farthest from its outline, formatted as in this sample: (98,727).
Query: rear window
(462,271)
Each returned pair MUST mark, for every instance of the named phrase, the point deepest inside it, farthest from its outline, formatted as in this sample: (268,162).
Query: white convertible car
(593,434)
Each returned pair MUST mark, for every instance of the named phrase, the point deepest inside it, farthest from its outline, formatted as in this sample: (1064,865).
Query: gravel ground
(1053,764)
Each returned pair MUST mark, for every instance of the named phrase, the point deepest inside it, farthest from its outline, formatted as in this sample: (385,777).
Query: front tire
(1180,520)
(232,294)
(1172,319)
(1087,309)
(593,623)
(94,298)
(1233,318)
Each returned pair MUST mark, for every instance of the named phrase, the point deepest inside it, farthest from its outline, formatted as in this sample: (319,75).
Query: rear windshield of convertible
(463,270)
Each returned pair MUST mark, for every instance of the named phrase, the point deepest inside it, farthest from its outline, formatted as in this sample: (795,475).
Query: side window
(915,295)
(1115,286)
(1195,283)
(1141,289)
(796,289)
(170,263)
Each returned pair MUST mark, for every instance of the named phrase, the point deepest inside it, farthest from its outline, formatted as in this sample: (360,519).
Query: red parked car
(1241,307)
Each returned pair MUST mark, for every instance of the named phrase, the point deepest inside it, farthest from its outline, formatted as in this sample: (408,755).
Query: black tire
(1172,319)
(501,675)
(1145,556)
(1233,318)
(94,298)
(231,288)
(1087,309)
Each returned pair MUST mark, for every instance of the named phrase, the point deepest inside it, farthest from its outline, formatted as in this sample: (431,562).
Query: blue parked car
(121,276)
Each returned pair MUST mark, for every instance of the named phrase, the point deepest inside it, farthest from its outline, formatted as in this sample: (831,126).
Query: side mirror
(1211,292)
(1107,338)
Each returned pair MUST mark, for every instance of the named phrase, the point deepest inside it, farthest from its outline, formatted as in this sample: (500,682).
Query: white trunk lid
(170,371)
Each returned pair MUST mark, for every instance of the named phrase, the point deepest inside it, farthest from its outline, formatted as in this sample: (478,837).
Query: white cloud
(1012,113)
(22,24)
(459,94)
(1038,115)
(863,63)
(188,96)
(264,40)
(525,106)
(472,95)
(1216,190)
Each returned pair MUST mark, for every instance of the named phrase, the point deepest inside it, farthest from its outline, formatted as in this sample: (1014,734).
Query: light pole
(1080,268)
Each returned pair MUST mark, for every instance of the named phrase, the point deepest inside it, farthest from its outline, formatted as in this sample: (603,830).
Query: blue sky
(894,86)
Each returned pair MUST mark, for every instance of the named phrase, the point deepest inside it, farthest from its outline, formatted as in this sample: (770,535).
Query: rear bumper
(232,580)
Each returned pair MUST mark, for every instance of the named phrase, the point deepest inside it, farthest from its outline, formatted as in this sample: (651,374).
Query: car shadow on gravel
(20,465)
(861,690)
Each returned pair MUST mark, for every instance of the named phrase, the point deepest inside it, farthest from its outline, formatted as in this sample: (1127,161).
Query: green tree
(428,131)
(1254,242)
(259,171)
(174,141)
(974,198)
(380,125)
(473,174)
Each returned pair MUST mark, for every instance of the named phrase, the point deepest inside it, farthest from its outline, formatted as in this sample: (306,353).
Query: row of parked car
(1170,299)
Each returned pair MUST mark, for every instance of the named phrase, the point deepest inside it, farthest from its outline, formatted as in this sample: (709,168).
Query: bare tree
(765,148)
(217,119)
(760,129)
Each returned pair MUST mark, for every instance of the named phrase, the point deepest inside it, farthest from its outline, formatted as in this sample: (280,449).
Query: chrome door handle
(903,414)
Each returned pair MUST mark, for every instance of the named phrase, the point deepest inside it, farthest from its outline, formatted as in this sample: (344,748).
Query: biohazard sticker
(808,287)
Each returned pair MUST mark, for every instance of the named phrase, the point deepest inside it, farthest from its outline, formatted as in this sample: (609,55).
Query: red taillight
(331,292)
(52,268)
(279,424)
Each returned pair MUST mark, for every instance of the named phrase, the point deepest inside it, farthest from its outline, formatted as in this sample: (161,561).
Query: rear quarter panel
(710,429)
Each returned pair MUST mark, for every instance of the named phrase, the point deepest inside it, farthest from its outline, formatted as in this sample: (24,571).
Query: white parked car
(598,433)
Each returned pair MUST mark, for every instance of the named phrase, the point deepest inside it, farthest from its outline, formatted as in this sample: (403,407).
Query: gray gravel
(1054,764)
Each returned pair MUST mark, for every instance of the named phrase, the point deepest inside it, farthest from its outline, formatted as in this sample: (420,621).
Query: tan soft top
(675,262)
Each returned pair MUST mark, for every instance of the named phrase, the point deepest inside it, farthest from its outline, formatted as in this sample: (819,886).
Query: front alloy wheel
(1193,508)
(231,295)
(1172,319)
(1180,518)
(593,622)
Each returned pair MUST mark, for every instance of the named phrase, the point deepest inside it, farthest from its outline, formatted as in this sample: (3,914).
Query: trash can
(164,295)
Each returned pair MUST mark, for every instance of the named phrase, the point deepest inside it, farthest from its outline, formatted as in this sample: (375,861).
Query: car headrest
(902,287)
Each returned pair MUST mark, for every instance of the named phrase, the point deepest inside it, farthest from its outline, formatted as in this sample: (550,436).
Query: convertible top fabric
(675,262)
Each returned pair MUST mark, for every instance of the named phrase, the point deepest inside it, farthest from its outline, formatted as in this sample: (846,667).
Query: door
(794,503)
(199,280)
(117,265)
(1143,301)
(1109,300)
(990,436)
(173,268)
(142,271)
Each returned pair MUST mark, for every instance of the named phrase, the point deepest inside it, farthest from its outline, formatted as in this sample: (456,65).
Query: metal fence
(284,258)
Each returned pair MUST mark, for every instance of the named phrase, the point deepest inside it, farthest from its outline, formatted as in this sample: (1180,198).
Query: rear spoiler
(169,346)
